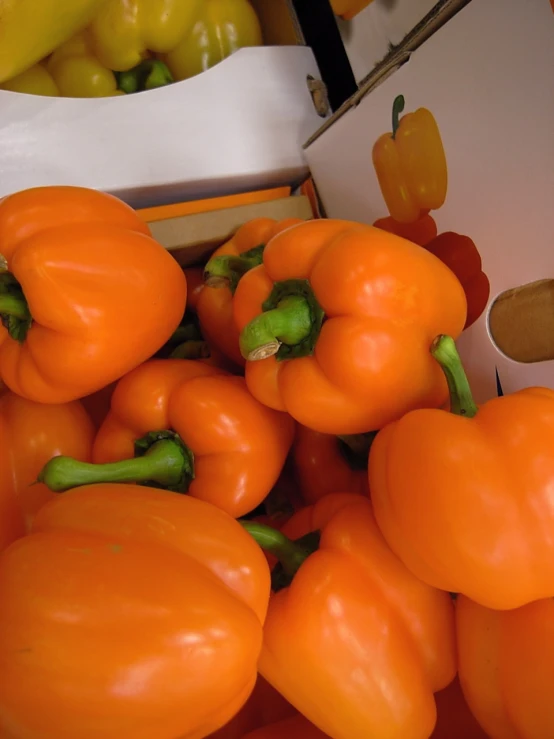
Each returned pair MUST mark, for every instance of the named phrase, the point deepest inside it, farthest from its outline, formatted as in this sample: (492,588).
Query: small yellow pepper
(410,164)
(123,30)
(222,27)
(36,80)
(31,29)
(78,73)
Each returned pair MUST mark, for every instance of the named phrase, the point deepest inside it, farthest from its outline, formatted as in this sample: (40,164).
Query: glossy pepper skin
(221,27)
(355,620)
(461,255)
(88,294)
(123,31)
(230,448)
(464,497)
(137,609)
(78,73)
(506,667)
(29,30)
(214,305)
(410,164)
(421,232)
(337,324)
(296,727)
(324,464)
(31,434)
(36,80)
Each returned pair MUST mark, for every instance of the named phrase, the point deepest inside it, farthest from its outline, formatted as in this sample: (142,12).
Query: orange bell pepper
(454,718)
(222,274)
(295,727)
(348,9)
(195,285)
(507,667)
(129,612)
(188,427)
(337,322)
(460,254)
(464,498)
(410,164)
(88,294)
(421,232)
(31,434)
(356,643)
(327,464)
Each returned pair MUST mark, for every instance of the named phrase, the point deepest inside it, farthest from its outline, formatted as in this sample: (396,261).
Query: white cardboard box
(236,127)
(486,75)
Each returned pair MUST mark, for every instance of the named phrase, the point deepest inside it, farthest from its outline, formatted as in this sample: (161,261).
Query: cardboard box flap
(485,79)
(398,55)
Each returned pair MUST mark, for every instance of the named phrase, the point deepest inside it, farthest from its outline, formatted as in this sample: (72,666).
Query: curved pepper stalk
(162,460)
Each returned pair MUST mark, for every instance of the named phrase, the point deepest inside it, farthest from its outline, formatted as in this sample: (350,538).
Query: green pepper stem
(165,464)
(290,323)
(147,75)
(225,270)
(397,108)
(444,351)
(14,306)
(290,554)
(15,315)
(185,332)
(191,350)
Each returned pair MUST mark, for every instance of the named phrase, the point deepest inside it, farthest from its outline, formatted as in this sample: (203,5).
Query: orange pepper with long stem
(326,464)
(464,497)
(129,612)
(188,427)
(410,164)
(86,294)
(337,322)
(222,273)
(506,667)
(420,232)
(460,254)
(30,435)
(356,643)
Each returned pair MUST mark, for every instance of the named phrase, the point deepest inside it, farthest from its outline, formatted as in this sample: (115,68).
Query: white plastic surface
(238,126)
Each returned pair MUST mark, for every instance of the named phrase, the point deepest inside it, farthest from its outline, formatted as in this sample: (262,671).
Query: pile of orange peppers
(102,48)
(255,497)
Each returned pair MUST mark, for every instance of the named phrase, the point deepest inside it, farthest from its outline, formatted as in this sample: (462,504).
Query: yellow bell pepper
(222,27)
(410,164)
(78,73)
(31,29)
(36,80)
(123,30)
